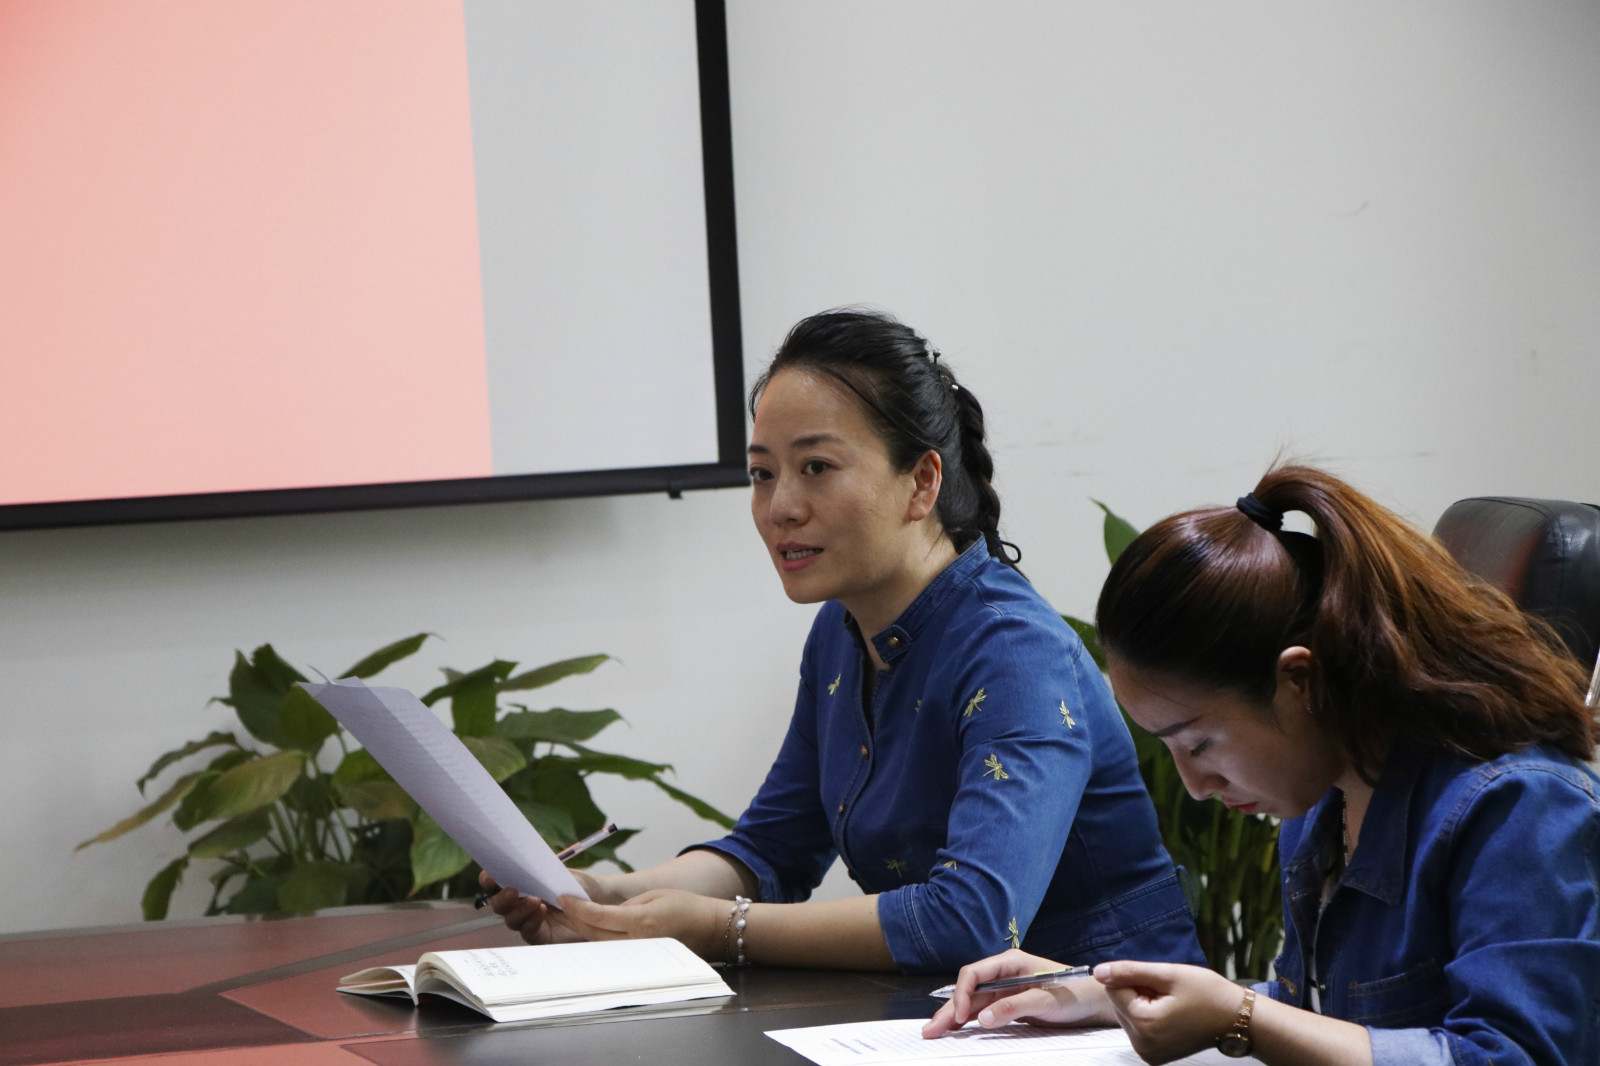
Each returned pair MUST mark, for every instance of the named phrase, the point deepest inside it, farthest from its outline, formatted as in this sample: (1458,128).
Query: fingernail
(986,1017)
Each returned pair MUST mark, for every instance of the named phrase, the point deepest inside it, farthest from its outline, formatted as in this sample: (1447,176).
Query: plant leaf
(695,804)
(359,766)
(304,722)
(158,893)
(589,761)
(434,856)
(232,835)
(270,665)
(549,675)
(500,757)
(255,700)
(557,725)
(553,781)
(258,895)
(178,790)
(196,805)
(386,656)
(211,740)
(311,886)
(377,801)
(553,823)
(1119,532)
(312,797)
(1091,639)
(254,784)
(229,759)
(497,671)
(472,707)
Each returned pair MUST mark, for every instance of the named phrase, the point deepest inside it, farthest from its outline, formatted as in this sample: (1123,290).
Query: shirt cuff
(907,946)
(1409,1047)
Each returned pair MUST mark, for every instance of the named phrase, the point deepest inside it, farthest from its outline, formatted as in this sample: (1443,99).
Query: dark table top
(242,992)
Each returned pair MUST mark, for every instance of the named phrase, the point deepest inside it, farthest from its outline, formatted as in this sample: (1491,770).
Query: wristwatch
(1235,1043)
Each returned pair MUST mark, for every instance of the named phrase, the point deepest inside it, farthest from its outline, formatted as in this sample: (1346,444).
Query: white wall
(1161,242)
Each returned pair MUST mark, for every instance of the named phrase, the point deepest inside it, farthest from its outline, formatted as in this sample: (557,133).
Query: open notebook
(519,983)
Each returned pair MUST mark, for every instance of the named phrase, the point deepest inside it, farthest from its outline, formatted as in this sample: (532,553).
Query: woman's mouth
(797,558)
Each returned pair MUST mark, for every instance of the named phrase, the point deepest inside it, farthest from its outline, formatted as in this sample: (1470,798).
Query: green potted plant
(1231,858)
(291,822)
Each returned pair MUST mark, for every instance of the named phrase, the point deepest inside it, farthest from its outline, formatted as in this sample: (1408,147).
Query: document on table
(437,770)
(900,1041)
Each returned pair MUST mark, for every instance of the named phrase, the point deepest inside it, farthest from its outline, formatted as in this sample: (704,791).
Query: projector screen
(264,256)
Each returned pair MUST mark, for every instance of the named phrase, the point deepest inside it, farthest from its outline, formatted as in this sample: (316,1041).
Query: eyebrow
(1175,727)
(810,440)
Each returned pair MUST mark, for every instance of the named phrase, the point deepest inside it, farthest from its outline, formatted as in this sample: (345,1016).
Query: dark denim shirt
(991,797)
(1467,926)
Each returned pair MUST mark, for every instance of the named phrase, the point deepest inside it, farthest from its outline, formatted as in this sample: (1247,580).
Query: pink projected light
(238,248)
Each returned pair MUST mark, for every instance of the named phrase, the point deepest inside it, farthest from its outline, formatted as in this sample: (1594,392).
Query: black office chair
(1544,554)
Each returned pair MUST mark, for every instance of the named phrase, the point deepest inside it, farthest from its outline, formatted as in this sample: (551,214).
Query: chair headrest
(1544,554)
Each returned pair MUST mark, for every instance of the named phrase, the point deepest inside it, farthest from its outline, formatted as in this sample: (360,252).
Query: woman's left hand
(698,921)
(1169,1010)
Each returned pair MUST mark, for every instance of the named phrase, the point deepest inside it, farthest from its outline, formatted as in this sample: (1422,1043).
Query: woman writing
(1425,744)
(951,739)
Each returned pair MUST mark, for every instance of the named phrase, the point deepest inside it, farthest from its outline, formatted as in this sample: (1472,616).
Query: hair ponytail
(914,401)
(1406,644)
(970,507)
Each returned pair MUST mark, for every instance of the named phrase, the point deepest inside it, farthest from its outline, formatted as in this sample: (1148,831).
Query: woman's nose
(785,504)
(1201,784)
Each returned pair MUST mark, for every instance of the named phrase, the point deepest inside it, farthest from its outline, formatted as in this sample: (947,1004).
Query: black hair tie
(1268,518)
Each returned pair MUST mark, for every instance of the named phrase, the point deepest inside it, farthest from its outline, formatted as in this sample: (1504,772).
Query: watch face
(1234,1046)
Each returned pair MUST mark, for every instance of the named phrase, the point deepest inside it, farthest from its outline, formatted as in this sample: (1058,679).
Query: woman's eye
(1195,751)
(760,473)
(814,466)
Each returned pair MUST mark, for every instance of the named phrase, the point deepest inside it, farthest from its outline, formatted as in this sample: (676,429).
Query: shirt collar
(1378,868)
(1379,865)
(897,638)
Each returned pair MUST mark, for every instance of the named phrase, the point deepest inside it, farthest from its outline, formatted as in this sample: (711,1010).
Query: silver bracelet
(736,924)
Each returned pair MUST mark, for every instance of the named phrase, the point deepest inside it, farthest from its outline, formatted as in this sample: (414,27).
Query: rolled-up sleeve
(1024,717)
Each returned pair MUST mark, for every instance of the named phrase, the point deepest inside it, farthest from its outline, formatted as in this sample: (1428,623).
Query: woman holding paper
(951,741)
(1424,742)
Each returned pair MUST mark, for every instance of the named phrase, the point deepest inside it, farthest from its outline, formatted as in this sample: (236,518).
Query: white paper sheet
(437,770)
(900,1041)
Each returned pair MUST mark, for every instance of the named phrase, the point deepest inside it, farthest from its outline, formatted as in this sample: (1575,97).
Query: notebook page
(437,770)
(560,971)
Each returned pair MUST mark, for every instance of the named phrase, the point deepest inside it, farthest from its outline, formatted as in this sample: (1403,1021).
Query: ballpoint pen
(482,898)
(1042,979)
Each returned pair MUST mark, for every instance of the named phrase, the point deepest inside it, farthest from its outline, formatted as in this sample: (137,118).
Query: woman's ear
(926,477)
(1294,676)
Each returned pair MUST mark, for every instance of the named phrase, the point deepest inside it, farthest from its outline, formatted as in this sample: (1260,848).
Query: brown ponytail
(1407,645)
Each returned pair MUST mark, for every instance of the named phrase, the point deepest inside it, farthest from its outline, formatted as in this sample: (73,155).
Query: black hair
(915,404)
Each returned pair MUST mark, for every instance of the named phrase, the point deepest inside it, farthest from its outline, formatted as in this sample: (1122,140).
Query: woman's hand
(1075,1003)
(700,922)
(1169,1010)
(536,920)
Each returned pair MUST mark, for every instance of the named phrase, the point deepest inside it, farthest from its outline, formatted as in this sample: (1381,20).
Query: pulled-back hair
(913,402)
(1406,645)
